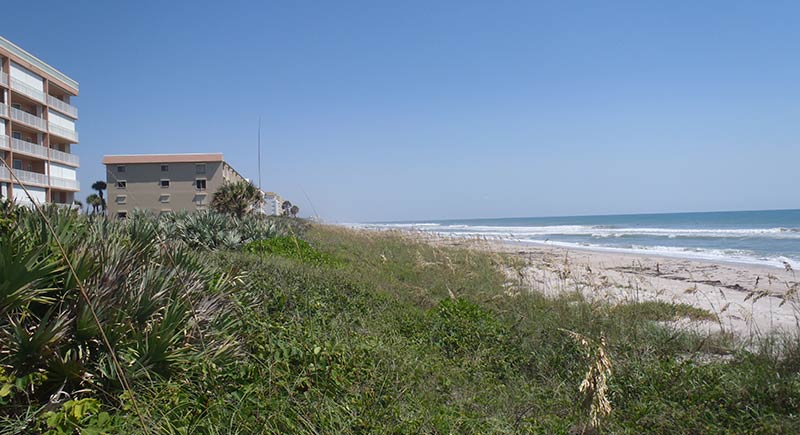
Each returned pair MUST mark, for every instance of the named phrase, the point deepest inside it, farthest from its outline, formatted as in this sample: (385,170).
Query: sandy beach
(749,300)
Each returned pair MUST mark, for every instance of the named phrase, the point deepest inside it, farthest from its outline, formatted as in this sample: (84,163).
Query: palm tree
(95,201)
(237,199)
(286,207)
(294,210)
(100,186)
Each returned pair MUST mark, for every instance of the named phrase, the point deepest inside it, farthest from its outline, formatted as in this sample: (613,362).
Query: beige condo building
(37,129)
(164,183)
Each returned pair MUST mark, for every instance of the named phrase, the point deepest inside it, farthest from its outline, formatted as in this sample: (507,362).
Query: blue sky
(448,109)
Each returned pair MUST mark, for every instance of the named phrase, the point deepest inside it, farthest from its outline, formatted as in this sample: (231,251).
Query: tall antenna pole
(259,153)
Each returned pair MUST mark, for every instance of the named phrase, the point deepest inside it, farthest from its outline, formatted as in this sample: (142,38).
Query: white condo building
(272,204)
(37,129)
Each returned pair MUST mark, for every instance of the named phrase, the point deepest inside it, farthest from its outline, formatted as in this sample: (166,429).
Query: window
(200,199)
(122,184)
(120,169)
(165,211)
(164,168)
(121,199)
(164,183)
(17,106)
(200,168)
(16,135)
(200,183)
(17,164)
(164,198)
(122,214)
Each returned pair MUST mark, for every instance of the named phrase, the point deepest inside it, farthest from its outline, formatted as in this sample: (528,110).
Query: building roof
(162,158)
(38,63)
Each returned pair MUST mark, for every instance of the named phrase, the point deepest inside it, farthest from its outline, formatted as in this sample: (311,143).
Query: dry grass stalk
(595,384)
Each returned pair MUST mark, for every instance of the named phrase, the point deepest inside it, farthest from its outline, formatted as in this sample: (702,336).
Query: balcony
(31,177)
(4,142)
(64,183)
(28,119)
(66,133)
(30,148)
(4,109)
(65,108)
(3,79)
(61,156)
(27,90)
(4,175)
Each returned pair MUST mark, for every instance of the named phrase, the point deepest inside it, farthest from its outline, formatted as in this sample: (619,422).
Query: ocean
(770,237)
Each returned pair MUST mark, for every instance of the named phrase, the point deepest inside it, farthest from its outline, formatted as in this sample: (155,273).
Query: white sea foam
(543,235)
(597,231)
(726,255)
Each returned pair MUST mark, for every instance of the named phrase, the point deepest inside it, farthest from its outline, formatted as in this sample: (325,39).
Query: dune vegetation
(210,324)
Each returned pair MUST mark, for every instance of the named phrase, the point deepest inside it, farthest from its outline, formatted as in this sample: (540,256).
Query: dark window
(16,135)
(120,169)
(164,168)
(17,164)
(164,183)
(201,184)
(122,184)
(122,214)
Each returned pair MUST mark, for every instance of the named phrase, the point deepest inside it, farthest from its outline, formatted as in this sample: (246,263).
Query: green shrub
(290,247)
(662,311)
(461,328)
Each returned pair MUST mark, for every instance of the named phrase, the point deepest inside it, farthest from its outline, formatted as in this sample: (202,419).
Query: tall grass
(156,301)
(387,335)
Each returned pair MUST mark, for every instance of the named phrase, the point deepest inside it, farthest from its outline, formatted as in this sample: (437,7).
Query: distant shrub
(290,247)
(463,329)
(662,311)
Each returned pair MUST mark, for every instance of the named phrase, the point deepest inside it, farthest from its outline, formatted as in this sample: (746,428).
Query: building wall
(61,120)
(143,189)
(63,171)
(26,76)
(38,193)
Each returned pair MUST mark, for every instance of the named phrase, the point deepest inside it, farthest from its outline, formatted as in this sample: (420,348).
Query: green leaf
(6,390)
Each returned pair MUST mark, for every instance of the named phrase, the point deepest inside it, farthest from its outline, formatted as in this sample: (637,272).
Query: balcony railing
(28,119)
(3,109)
(65,183)
(26,89)
(30,148)
(65,108)
(4,175)
(64,132)
(3,79)
(31,177)
(4,142)
(61,156)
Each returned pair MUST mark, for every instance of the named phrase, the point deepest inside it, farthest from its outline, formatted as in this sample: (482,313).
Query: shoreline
(644,253)
(748,300)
